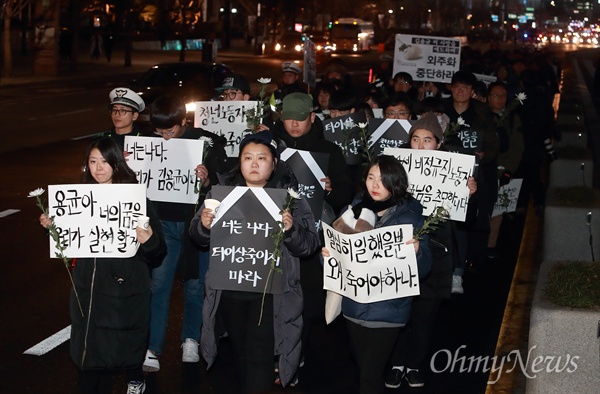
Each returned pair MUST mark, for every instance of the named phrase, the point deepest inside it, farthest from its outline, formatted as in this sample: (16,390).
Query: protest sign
(427,58)
(241,238)
(166,167)
(437,178)
(345,133)
(371,266)
(226,118)
(96,220)
(508,195)
(310,62)
(309,168)
(388,133)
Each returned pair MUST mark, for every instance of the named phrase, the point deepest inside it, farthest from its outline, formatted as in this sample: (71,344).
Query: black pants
(252,344)
(414,340)
(371,348)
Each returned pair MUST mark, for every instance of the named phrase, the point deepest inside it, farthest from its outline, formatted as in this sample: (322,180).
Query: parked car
(290,44)
(191,81)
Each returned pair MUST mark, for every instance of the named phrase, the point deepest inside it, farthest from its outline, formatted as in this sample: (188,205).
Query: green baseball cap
(296,106)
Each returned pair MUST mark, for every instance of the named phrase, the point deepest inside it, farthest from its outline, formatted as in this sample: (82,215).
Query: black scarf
(375,206)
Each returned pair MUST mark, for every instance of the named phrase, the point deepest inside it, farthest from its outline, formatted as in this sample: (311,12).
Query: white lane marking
(50,343)
(7,212)
(62,114)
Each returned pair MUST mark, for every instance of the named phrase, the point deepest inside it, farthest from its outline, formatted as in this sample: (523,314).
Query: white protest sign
(437,178)
(96,220)
(427,58)
(508,195)
(166,167)
(371,266)
(226,118)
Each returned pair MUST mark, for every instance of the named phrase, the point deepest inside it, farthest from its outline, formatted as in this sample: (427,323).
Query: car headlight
(277,47)
(190,107)
(298,48)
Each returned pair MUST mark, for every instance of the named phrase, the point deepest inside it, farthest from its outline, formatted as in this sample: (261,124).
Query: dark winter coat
(115,298)
(301,241)
(395,312)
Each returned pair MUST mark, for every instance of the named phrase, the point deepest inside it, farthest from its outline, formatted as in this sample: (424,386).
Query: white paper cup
(212,204)
(143,222)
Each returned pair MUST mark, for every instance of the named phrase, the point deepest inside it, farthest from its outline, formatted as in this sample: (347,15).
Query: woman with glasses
(124,109)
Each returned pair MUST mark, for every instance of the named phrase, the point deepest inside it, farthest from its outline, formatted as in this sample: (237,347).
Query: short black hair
(167,111)
(342,100)
(404,75)
(393,176)
(397,99)
(464,77)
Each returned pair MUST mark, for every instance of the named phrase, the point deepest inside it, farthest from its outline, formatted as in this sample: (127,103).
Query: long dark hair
(393,177)
(113,155)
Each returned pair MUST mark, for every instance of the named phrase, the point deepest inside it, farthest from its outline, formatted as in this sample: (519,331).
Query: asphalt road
(39,123)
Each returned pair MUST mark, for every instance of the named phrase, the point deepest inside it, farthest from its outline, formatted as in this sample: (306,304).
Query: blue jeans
(162,285)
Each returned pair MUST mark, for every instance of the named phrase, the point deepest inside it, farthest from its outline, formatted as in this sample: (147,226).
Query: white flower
(446,205)
(36,193)
(460,121)
(349,123)
(293,193)
(264,80)
(521,97)
(362,125)
(207,140)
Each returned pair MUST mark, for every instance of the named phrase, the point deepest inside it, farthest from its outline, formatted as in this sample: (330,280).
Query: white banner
(427,58)
(435,177)
(226,118)
(96,220)
(166,167)
(371,266)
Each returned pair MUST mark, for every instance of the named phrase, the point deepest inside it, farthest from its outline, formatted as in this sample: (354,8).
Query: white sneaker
(457,287)
(136,387)
(151,363)
(190,351)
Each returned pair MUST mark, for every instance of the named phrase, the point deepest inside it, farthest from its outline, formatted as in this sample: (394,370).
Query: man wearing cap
(235,88)
(290,83)
(124,108)
(299,128)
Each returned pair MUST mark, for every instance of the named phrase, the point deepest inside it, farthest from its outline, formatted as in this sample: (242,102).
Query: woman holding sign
(373,327)
(254,339)
(413,343)
(114,292)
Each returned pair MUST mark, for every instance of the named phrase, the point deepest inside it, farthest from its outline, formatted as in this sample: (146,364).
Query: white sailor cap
(290,67)
(127,97)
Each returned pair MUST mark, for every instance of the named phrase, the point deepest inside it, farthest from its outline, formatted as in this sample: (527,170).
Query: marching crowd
(125,322)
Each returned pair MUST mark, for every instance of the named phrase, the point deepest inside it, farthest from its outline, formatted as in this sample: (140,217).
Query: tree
(10,8)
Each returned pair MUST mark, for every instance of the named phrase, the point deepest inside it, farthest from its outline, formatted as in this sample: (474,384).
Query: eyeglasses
(120,112)
(168,133)
(400,113)
(230,95)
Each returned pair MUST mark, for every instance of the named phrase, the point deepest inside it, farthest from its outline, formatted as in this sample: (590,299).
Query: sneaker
(394,378)
(136,387)
(151,363)
(414,379)
(457,287)
(190,351)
